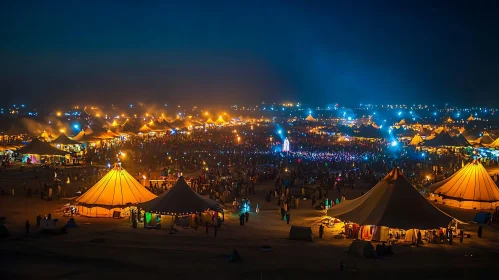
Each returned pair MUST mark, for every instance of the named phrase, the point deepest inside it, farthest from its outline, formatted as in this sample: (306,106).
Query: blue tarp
(482,217)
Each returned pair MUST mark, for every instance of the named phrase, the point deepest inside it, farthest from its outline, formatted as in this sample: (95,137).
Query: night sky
(228,52)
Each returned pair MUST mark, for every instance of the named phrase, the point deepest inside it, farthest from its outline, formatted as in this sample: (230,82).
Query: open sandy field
(112,249)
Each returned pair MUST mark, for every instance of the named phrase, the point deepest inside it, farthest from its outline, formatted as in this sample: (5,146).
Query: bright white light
(394,143)
(381,126)
(400,113)
(349,118)
(422,154)
(279,132)
(75,126)
(285,146)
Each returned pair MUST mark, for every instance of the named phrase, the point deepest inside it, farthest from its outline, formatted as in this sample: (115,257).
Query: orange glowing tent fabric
(116,191)
(471,187)
(394,203)
(416,140)
(116,188)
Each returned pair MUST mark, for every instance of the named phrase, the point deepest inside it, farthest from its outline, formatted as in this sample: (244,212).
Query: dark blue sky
(250,51)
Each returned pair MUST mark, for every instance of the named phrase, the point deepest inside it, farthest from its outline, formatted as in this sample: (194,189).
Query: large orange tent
(469,188)
(116,191)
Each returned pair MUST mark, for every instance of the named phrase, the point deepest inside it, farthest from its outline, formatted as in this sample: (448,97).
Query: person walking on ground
(27,226)
(321,231)
(288,217)
(246,216)
(461,236)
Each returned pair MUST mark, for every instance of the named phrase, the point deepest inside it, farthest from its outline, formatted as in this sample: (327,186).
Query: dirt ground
(112,249)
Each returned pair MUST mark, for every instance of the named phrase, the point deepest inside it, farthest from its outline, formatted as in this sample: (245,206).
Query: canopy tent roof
(471,118)
(393,202)
(178,124)
(471,183)
(369,132)
(462,140)
(37,147)
(494,144)
(310,118)
(220,120)
(145,129)
(103,135)
(442,139)
(64,140)
(485,139)
(416,140)
(180,199)
(209,121)
(9,147)
(83,137)
(16,129)
(116,188)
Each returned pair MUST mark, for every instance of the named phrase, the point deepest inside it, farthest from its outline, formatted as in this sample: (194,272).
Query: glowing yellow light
(206,113)
(62,130)
(97,115)
(123,154)
(206,168)
(58,114)
(188,133)
(144,177)
(238,138)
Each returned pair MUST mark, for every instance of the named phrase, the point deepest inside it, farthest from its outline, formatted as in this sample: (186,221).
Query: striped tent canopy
(470,187)
(116,188)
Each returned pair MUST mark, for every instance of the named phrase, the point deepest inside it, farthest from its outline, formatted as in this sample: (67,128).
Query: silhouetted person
(27,226)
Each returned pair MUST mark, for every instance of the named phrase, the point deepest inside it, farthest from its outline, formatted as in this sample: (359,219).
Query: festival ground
(104,248)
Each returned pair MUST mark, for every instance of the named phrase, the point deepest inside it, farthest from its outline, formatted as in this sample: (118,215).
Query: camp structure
(416,140)
(180,200)
(84,137)
(37,148)
(115,192)
(210,121)
(64,143)
(470,118)
(392,203)
(63,139)
(368,132)
(485,140)
(494,144)
(220,121)
(442,140)
(310,118)
(462,140)
(469,188)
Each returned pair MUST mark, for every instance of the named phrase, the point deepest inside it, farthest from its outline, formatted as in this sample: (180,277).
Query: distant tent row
(444,140)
